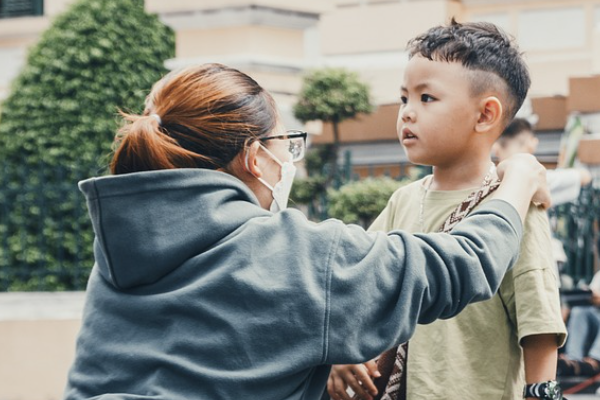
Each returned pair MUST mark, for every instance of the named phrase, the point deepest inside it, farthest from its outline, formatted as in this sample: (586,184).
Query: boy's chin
(419,161)
(421,164)
(417,157)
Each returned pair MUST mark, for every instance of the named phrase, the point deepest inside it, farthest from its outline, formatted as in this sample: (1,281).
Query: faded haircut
(491,56)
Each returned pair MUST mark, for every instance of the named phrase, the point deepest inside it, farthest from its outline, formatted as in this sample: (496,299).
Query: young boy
(462,85)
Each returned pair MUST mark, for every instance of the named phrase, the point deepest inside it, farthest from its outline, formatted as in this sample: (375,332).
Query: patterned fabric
(392,363)
(490,184)
(392,383)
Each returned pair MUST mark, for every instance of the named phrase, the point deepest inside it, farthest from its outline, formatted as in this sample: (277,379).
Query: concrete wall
(384,27)
(37,343)
(17,35)
(178,6)
(256,40)
(558,37)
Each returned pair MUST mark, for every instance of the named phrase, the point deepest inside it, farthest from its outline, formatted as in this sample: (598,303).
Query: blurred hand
(356,376)
(596,298)
(586,176)
(526,167)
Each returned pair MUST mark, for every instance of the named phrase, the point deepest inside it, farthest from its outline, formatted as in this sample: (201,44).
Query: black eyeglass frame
(290,134)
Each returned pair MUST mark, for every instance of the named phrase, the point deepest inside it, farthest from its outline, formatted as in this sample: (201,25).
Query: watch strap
(549,390)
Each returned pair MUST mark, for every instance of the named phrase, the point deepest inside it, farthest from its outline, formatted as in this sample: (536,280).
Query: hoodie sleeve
(379,286)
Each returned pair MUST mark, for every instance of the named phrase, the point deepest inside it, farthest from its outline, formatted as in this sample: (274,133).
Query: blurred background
(68,66)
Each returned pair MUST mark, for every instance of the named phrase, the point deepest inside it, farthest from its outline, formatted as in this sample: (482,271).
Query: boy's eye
(425,98)
(403,99)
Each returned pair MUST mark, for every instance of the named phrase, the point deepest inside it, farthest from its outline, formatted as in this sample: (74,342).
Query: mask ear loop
(276,160)
(247,163)
(247,144)
(271,154)
(246,160)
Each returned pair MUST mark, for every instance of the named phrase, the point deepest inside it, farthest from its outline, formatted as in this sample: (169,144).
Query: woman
(200,292)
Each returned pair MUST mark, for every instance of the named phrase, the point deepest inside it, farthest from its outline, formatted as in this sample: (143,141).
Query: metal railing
(576,226)
(21,8)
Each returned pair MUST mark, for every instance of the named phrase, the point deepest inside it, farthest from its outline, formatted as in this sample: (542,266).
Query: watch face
(553,391)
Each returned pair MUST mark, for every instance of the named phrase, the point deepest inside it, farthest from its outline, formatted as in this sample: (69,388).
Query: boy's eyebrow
(420,86)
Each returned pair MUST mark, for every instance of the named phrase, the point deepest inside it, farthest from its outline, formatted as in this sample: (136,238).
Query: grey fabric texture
(198,293)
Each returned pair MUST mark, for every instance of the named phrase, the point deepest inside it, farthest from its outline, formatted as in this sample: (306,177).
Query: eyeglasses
(297,145)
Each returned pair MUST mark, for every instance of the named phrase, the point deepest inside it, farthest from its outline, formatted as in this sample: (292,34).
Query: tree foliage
(332,95)
(57,126)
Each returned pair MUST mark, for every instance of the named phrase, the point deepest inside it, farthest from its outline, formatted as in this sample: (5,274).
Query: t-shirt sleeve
(531,296)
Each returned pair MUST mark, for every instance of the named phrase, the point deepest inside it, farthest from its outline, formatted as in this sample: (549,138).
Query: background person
(582,351)
(564,183)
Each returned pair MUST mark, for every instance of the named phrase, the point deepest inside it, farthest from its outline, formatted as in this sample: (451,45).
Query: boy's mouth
(407,135)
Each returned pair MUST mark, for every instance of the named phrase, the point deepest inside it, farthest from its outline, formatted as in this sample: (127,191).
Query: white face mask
(281,190)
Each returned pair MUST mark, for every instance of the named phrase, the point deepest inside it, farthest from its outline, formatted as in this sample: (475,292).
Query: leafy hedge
(362,201)
(57,127)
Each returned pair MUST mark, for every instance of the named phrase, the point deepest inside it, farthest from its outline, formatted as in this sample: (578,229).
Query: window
(21,8)
(558,28)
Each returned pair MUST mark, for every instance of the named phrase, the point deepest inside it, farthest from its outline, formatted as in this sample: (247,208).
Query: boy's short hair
(479,47)
(515,128)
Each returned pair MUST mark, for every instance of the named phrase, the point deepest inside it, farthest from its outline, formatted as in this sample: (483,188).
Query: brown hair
(206,115)
(517,126)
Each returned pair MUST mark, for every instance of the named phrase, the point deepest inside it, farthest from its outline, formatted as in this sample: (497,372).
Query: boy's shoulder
(536,219)
(407,190)
(536,246)
(399,202)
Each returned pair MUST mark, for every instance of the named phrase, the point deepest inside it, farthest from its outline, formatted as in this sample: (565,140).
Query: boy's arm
(536,302)
(540,356)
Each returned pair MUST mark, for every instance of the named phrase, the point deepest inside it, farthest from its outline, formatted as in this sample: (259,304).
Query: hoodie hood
(149,223)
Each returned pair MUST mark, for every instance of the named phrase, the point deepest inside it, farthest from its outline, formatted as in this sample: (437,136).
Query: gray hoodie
(199,293)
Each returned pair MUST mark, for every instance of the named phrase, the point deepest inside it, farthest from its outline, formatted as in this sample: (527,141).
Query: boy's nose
(407,113)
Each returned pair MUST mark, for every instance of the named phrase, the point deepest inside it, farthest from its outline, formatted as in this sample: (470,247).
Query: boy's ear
(491,113)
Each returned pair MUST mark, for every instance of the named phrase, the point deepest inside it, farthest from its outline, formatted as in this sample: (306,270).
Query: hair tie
(157,118)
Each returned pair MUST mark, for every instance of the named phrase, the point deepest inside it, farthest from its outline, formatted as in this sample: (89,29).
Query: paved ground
(582,397)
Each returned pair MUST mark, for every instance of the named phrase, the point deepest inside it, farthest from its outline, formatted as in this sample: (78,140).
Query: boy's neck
(466,175)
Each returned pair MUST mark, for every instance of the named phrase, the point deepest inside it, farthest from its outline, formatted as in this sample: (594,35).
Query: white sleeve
(564,184)
(595,283)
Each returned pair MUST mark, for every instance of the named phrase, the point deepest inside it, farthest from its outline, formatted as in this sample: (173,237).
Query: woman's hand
(356,376)
(523,181)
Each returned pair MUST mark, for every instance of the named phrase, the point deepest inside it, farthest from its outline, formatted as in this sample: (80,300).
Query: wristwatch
(549,390)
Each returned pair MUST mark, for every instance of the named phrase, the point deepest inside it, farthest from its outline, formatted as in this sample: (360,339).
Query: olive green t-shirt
(477,354)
